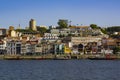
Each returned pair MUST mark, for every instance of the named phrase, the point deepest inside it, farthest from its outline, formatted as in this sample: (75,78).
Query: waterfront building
(83,44)
(30,46)
(84,40)
(38,49)
(109,43)
(106,51)
(32,25)
(58,48)
(23,49)
(67,50)
(2,47)
(13,47)
(23,45)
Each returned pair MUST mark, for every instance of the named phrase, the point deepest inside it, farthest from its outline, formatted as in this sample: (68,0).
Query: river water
(59,70)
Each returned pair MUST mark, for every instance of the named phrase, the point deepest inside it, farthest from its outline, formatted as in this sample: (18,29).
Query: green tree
(113,29)
(42,30)
(24,30)
(63,23)
(94,26)
(104,31)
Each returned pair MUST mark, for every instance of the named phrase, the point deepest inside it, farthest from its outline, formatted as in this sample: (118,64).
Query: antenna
(19,26)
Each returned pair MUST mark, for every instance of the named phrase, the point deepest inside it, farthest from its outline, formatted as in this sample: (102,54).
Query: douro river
(59,70)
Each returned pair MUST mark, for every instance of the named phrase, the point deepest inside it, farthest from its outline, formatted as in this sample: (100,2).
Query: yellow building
(67,50)
(11,32)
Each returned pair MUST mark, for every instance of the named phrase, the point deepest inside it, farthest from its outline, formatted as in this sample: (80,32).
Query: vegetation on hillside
(63,23)
(94,26)
(24,30)
(113,29)
(42,30)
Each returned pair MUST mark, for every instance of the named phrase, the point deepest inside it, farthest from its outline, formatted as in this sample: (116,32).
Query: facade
(43,26)
(32,25)
(58,48)
(50,37)
(109,43)
(85,45)
(55,31)
(12,32)
(29,34)
(2,47)
(67,50)
(47,47)
(80,31)
(30,46)
(38,49)
(13,47)
(52,27)
(64,32)
(96,32)
(23,48)
(84,40)
(118,42)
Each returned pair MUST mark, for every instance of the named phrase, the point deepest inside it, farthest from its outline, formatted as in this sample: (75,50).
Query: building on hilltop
(32,25)
(50,37)
(11,32)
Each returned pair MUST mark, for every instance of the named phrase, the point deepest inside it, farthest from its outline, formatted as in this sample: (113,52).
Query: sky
(104,13)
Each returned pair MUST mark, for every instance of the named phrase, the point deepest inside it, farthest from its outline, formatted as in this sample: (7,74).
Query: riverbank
(59,57)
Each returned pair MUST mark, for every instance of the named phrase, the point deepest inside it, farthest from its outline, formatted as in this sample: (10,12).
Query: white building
(2,47)
(52,27)
(84,40)
(55,31)
(65,31)
(50,37)
(13,47)
(38,49)
(13,33)
(30,46)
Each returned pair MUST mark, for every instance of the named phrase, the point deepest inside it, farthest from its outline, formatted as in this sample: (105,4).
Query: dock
(56,57)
